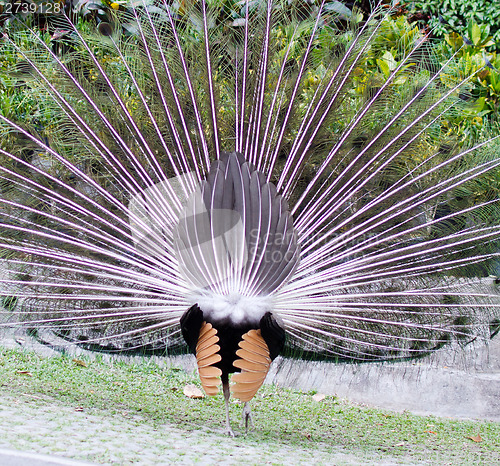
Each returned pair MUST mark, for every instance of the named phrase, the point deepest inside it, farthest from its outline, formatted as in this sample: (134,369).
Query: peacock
(230,176)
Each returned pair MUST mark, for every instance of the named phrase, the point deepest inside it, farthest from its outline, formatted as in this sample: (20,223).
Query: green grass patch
(282,417)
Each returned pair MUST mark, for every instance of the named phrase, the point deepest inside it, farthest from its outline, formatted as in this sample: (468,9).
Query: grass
(283,417)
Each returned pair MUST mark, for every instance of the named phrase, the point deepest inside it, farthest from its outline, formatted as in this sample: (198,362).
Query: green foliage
(458,14)
(478,113)
(20,100)
(473,60)
(479,22)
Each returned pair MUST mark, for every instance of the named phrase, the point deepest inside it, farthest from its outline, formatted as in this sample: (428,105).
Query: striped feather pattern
(254,362)
(206,356)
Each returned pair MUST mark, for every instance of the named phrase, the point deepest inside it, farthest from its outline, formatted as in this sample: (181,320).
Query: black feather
(191,322)
(273,333)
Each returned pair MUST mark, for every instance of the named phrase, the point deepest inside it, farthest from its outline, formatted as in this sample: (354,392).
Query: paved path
(20,458)
(52,428)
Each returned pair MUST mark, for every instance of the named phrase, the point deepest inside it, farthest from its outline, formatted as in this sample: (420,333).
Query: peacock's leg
(247,416)
(227,393)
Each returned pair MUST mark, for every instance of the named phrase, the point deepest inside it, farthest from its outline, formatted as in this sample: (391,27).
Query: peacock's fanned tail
(382,237)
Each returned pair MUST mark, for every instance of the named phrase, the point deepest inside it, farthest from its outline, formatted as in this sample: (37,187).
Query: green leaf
(475,33)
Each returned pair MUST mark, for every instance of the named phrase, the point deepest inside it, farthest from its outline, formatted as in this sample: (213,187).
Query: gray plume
(236,235)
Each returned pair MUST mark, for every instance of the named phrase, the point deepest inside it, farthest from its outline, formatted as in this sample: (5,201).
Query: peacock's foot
(247,417)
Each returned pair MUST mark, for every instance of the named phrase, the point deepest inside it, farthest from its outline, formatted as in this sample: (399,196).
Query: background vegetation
(468,31)
(456,15)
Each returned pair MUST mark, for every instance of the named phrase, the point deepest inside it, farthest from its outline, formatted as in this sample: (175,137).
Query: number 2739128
(17,7)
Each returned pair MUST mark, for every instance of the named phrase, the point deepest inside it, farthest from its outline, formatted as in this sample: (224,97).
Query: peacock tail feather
(367,234)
